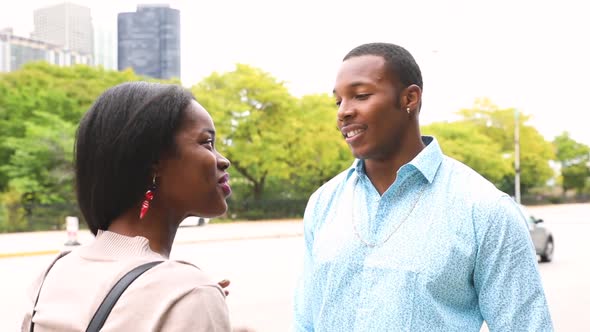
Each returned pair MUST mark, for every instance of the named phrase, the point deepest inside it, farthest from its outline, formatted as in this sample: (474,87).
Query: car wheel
(201,221)
(547,254)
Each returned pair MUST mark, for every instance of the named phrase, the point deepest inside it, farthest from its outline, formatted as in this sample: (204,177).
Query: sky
(530,55)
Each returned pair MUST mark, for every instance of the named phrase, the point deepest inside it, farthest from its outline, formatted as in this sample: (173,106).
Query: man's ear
(412,98)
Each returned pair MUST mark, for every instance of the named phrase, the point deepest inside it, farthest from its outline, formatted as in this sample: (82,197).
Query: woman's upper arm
(201,309)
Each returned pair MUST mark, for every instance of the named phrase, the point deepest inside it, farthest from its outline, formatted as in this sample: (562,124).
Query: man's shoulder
(468,181)
(482,196)
(329,188)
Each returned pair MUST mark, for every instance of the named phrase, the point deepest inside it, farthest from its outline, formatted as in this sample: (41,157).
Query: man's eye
(338,102)
(362,96)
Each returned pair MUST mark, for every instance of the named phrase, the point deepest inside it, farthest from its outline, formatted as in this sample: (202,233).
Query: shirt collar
(426,162)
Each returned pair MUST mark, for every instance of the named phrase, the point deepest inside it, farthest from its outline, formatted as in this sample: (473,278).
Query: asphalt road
(264,271)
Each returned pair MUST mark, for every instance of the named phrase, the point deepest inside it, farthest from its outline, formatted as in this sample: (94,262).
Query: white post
(72,227)
(516,157)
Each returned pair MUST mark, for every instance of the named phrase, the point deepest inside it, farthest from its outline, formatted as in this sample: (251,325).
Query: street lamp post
(516,157)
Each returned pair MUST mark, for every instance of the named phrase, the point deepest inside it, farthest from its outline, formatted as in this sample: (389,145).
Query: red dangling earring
(149,195)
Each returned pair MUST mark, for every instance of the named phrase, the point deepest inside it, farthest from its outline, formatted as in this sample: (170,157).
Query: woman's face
(192,180)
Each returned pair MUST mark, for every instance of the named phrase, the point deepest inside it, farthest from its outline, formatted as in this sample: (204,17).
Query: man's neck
(383,172)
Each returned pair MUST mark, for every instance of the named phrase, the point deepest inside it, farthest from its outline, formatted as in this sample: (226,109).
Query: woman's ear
(156,168)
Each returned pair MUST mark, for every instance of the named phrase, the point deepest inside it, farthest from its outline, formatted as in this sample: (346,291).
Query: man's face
(369,116)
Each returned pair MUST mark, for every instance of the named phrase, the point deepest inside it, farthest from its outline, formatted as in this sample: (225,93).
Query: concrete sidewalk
(46,243)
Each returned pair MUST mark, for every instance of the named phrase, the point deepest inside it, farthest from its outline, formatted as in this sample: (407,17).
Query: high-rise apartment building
(66,25)
(149,41)
(16,51)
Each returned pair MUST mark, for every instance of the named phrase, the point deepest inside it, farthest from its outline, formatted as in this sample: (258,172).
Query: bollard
(72,229)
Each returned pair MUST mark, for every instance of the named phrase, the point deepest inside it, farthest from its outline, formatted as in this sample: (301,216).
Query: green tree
(40,107)
(317,150)
(465,142)
(41,165)
(66,92)
(535,152)
(574,158)
(254,115)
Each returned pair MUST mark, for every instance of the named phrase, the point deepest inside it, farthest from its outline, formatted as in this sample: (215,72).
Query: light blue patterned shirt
(441,250)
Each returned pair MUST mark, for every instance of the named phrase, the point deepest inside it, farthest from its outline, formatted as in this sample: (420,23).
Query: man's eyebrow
(353,85)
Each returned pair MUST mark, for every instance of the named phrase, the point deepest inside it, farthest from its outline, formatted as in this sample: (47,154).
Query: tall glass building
(149,41)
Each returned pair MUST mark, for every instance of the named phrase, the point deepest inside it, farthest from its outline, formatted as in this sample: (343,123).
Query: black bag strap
(61,254)
(103,311)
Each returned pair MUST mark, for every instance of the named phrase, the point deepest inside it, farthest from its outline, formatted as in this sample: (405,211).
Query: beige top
(172,296)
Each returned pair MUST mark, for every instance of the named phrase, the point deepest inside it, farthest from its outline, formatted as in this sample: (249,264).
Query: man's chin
(359,154)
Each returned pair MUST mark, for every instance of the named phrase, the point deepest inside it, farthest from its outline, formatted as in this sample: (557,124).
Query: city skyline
(531,55)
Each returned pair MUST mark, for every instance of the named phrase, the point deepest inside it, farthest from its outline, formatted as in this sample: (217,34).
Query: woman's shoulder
(182,274)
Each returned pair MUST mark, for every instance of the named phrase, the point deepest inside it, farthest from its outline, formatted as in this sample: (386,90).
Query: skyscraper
(149,41)
(66,25)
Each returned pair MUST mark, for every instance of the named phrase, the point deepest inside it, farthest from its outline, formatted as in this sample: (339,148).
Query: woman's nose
(222,162)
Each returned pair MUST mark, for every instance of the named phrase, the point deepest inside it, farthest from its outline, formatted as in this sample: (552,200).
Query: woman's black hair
(118,142)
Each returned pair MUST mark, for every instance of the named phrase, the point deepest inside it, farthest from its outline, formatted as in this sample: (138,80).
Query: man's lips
(352,130)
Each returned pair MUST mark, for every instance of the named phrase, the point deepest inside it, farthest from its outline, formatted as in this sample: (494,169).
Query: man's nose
(345,111)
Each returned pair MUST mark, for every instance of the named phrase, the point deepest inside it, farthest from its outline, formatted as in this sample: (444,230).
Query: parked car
(541,236)
(194,221)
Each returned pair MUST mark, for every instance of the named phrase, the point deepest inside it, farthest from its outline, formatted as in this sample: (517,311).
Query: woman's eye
(338,102)
(208,144)
(362,96)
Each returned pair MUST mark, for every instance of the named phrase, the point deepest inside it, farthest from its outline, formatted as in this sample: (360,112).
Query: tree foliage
(40,107)
(574,159)
(254,115)
(317,149)
(463,141)
(535,152)
(280,146)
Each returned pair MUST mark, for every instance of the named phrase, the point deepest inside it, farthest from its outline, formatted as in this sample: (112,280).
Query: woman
(145,159)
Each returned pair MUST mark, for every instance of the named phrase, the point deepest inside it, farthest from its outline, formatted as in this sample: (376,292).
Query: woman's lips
(224,183)
(226,188)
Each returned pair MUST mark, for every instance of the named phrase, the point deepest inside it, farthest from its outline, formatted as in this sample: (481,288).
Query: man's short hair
(400,62)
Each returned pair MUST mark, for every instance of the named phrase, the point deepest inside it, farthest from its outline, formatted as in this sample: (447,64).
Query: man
(408,239)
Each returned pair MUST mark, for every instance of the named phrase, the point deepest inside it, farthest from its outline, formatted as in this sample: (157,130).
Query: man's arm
(506,276)
(303,321)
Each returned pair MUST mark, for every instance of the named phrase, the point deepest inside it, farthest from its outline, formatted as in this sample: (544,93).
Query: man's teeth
(353,133)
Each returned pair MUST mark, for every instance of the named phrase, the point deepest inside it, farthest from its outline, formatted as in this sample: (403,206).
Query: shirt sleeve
(303,321)
(202,309)
(506,275)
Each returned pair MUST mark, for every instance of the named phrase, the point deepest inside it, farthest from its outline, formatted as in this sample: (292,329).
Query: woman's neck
(153,226)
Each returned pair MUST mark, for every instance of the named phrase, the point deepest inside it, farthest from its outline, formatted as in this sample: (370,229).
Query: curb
(239,238)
